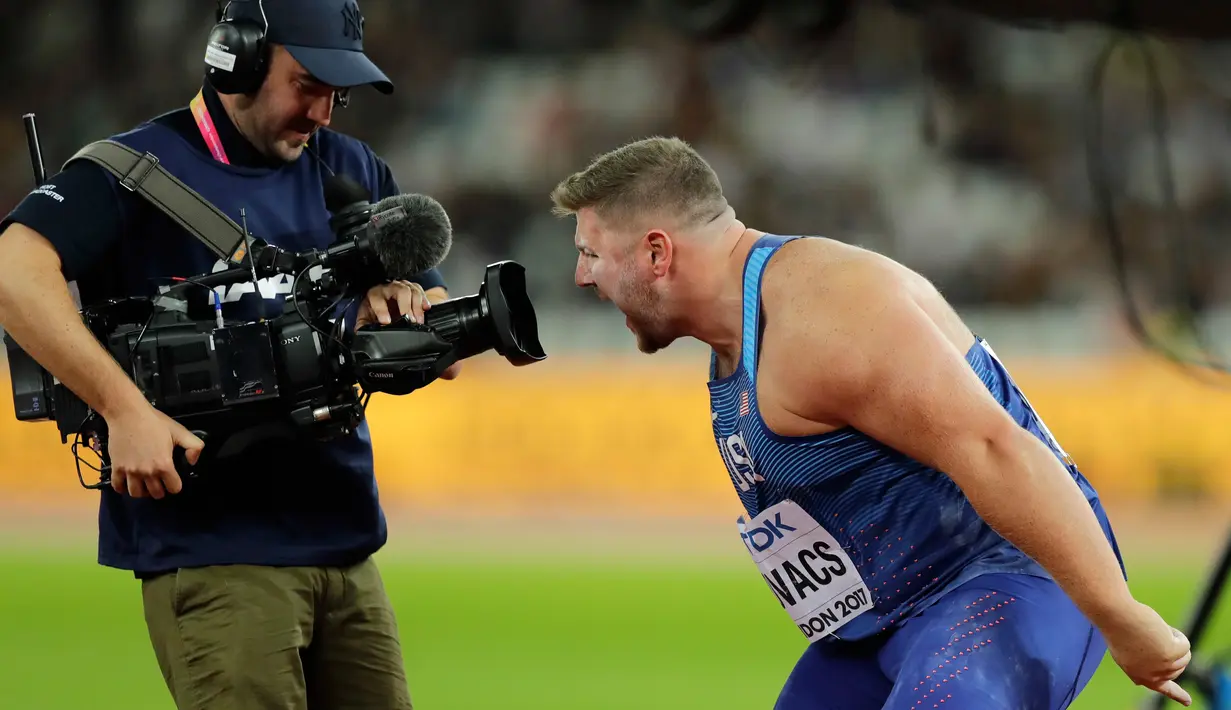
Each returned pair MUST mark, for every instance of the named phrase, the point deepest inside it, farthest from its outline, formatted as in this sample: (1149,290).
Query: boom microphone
(410,234)
(405,236)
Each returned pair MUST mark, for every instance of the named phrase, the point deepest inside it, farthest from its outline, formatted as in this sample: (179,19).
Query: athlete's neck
(718,318)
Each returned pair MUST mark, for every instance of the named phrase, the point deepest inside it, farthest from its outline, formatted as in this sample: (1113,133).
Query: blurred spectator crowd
(952,144)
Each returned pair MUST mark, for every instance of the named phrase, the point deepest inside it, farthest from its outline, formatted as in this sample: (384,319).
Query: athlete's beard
(645,314)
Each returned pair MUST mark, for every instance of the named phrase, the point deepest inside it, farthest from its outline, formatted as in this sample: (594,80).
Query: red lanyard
(206,123)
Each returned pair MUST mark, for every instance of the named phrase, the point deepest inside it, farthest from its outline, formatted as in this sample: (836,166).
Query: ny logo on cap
(353,28)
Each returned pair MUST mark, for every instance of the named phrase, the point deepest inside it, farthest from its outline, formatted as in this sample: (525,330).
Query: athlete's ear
(661,251)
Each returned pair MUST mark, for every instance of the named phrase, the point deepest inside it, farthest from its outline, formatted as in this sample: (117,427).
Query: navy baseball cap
(326,37)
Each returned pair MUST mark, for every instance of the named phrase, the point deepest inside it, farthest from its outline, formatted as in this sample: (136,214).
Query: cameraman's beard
(254,123)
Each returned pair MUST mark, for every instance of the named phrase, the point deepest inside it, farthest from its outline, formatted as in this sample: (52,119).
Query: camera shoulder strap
(142,174)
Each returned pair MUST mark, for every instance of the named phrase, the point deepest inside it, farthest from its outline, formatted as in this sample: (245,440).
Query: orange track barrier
(634,436)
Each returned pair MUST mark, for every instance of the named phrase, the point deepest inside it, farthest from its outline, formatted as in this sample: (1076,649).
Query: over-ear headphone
(237,55)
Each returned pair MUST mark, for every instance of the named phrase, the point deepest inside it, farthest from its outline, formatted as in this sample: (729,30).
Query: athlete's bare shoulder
(834,314)
(804,267)
(819,261)
(819,276)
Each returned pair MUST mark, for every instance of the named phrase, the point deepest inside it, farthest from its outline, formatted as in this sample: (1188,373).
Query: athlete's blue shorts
(998,642)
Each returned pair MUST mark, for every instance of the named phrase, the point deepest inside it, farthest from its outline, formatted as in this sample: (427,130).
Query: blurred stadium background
(562,535)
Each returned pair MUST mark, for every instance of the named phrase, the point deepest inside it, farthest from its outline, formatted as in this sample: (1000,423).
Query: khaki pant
(260,638)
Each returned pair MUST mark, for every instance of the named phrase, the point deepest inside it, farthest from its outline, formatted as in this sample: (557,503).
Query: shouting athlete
(906,505)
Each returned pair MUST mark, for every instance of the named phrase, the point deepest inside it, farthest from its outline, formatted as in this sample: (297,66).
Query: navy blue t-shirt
(292,500)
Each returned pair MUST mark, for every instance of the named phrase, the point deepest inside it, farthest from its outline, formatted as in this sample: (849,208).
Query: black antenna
(36,153)
(243,218)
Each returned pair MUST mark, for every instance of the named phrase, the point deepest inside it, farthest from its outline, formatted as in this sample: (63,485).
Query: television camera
(305,368)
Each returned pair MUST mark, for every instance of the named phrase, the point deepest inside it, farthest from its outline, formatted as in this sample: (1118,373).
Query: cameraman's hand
(405,298)
(140,444)
(393,300)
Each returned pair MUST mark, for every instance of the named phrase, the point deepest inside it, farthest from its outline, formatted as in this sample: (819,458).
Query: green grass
(599,635)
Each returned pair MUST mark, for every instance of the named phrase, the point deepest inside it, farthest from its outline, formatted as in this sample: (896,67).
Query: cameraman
(257,580)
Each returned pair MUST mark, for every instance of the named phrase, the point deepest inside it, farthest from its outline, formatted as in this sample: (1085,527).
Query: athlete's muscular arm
(37,309)
(863,353)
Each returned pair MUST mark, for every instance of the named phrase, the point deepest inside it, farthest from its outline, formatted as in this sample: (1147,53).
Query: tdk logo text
(763,538)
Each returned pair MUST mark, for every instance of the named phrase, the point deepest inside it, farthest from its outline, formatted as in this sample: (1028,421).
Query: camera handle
(178,456)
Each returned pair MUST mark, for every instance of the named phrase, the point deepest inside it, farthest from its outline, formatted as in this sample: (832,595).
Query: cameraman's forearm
(37,310)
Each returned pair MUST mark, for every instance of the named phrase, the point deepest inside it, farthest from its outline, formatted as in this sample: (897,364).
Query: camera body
(306,369)
(189,370)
